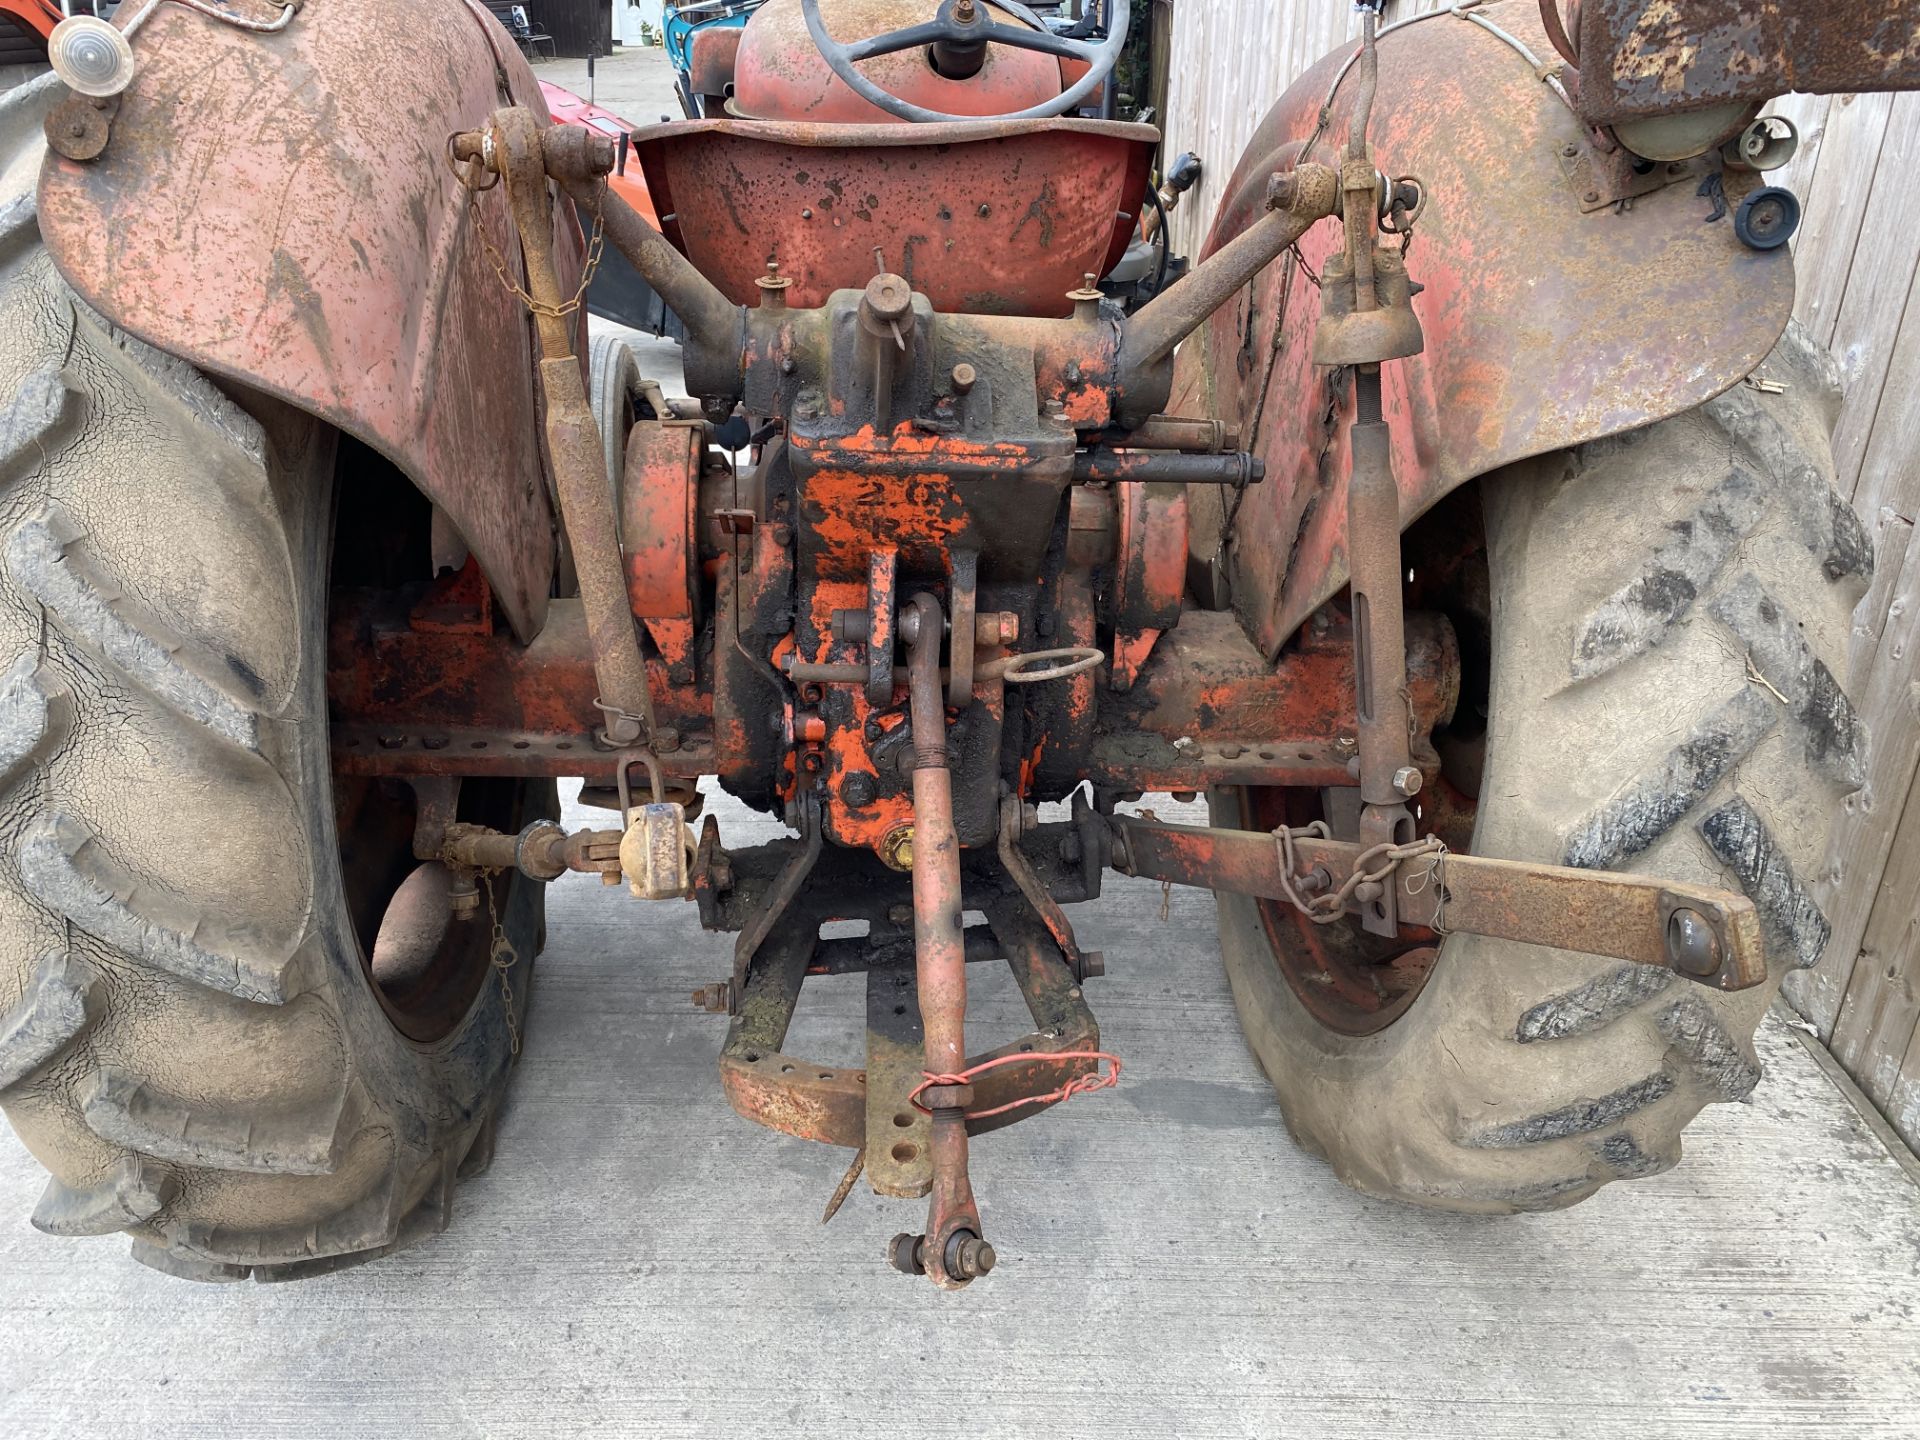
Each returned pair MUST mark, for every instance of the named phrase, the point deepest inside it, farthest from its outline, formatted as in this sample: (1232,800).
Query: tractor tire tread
(187,1039)
(1657,707)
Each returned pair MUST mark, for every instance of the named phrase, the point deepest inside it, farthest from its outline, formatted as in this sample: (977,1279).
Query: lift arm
(1709,936)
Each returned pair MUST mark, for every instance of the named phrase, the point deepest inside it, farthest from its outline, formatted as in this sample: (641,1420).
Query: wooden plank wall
(1857,252)
(1857,257)
(1231,60)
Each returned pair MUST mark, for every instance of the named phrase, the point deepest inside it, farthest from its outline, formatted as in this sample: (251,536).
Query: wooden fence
(1857,254)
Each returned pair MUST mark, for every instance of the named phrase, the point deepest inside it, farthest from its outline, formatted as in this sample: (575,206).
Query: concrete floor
(635,83)
(641,1262)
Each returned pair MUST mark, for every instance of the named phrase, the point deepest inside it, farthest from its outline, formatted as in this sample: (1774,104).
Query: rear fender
(1549,321)
(278,210)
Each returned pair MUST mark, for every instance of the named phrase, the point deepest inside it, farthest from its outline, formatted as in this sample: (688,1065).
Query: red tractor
(1460,526)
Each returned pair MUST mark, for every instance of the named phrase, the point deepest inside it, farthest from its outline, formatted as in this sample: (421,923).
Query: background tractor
(1460,526)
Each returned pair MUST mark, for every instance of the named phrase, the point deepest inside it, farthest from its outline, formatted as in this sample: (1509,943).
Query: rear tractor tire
(1669,613)
(193,1038)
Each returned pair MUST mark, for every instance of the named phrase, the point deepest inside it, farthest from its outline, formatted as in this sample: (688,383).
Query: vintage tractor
(1460,526)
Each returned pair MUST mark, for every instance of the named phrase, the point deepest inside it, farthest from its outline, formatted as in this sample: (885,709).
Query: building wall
(1856,252)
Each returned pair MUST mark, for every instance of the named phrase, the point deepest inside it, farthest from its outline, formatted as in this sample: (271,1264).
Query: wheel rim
(424,964)
(1352,982)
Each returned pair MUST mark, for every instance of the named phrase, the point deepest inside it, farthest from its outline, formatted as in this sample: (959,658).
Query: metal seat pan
(994,217)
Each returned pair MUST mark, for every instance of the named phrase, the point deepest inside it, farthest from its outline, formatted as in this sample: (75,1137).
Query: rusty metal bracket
(830,1104)
(436,805)
(786,890)
(899,1134)
(1598,178)
(1710,936)
(1084,965)
(963,591)
(784,1092)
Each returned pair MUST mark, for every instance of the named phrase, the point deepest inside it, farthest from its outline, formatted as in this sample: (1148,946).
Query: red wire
(1079,1085)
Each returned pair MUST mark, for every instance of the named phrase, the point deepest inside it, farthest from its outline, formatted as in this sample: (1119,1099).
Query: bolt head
(896,849)
(1407,780)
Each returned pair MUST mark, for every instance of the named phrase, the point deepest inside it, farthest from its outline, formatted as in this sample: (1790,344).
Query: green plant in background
(1134,74)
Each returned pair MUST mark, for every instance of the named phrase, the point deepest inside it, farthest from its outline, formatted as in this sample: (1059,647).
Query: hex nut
(896,849)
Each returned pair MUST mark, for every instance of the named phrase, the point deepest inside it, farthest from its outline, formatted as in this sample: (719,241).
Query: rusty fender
(1554,312)
(278,210)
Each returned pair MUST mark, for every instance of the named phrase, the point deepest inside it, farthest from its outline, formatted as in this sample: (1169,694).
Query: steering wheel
(965,23)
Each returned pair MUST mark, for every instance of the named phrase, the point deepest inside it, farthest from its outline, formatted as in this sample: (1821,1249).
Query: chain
(503,957)
(1384,859)
(1300,259)
(596,243)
